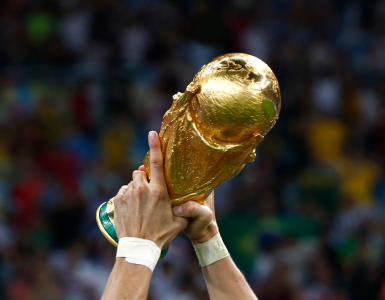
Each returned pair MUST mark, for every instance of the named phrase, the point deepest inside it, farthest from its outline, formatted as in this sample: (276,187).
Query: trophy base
(108,229)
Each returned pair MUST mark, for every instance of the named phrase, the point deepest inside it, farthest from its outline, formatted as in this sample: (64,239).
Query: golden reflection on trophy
(212,129)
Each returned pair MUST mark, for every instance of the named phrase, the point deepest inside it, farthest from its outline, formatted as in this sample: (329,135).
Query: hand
(142,208)
(202,225)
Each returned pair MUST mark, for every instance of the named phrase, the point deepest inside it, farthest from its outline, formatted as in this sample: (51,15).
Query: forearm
(223,279)
(127,281)
(225,282)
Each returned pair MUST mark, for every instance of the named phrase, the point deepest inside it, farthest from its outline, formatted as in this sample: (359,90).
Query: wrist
(210,232)
(159,242)
(138,251)
(211,251)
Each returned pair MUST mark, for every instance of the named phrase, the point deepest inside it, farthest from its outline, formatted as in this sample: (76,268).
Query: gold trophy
(211,130)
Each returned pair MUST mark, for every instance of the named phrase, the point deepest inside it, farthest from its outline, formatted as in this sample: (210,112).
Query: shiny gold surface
(110,210)
(212,129)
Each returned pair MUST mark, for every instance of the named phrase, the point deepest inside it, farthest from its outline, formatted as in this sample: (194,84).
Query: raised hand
(142,208)
(202,225)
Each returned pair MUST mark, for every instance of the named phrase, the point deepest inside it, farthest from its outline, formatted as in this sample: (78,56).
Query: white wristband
(139,251)
(211,251)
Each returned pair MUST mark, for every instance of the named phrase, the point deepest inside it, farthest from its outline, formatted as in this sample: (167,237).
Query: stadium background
(82,83)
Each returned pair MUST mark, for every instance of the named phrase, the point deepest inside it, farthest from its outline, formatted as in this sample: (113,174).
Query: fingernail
(178,210)
(152,135)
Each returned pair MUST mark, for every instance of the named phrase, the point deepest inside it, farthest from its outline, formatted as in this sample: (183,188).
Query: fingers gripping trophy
(211,130)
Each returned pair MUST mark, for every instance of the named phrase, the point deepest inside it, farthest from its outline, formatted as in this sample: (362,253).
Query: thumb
(181,223)
(194,210)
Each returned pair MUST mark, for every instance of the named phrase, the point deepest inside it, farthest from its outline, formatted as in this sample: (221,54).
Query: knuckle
(156,162)
(190,207)
(159,193)
(154,145)
(127,195)
(210,215)
(140,188)
(118,201)
(119,196)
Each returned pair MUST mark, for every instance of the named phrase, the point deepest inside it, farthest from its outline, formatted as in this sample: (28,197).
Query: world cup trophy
(211,130)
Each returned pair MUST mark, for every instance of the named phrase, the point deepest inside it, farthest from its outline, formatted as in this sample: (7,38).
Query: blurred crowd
(82,83)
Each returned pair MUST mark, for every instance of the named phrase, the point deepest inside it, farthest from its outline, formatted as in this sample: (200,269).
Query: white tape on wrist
(211,251)
(139,251)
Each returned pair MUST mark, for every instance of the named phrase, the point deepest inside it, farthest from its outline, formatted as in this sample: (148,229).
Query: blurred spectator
(81,84)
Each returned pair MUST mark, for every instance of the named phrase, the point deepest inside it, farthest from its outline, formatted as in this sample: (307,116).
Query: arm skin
(142,210)
(127,281)
(223,279)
